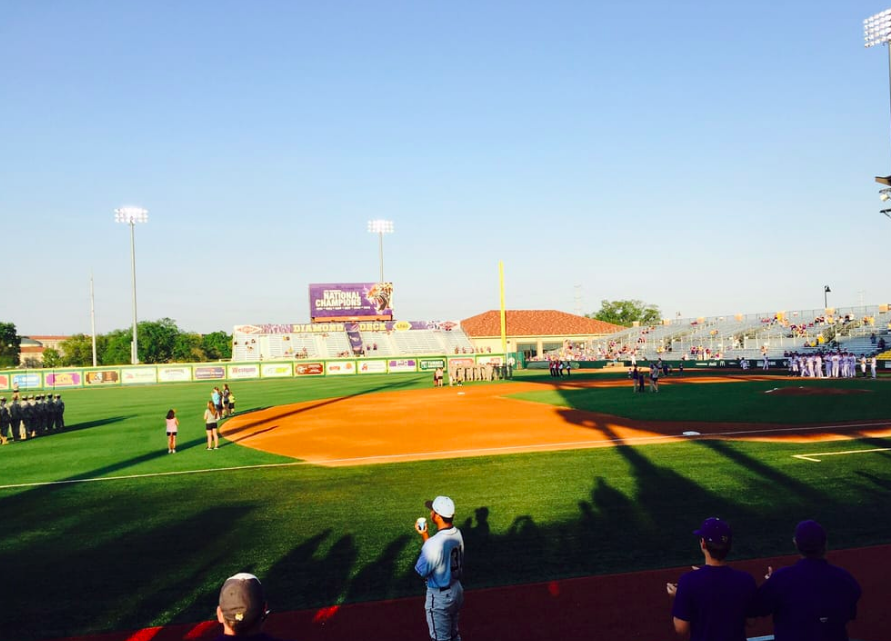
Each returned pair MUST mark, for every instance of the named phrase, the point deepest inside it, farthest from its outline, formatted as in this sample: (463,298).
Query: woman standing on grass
(172,426)
(211,416)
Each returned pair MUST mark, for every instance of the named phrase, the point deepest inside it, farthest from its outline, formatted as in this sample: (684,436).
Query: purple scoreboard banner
(351,301)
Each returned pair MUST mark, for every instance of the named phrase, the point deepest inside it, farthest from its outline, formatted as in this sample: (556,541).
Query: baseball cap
(242,599)
(810,536)
(442,505)
(714,530)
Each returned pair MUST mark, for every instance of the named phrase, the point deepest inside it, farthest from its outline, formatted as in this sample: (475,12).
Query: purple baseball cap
(810,536)
(714,530)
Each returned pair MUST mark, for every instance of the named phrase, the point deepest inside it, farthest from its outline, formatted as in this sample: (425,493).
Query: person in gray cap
(5,421)
(812,599)
(15,418)
(242,608)
(28,413)
(59,412)
(441,564)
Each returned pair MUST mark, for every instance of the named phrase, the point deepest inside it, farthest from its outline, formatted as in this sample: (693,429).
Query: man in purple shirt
(811,600)
(711,603)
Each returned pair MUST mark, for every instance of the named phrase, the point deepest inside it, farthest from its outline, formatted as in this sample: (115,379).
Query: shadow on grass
(85,425)
(308,406)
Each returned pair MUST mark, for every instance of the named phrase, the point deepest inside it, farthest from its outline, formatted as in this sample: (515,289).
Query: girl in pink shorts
(172,426)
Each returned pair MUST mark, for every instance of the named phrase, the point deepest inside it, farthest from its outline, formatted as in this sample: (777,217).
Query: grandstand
(749,336)
(742,336)
(252,343)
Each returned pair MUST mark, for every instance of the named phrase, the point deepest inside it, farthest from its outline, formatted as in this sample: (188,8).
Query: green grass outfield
(153,548)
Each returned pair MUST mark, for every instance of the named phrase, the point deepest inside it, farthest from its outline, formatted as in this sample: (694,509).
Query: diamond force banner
(351,302)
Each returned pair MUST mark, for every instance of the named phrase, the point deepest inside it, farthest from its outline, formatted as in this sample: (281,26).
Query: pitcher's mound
(816,391)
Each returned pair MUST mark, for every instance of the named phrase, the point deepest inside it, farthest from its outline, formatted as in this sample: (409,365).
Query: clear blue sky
(707,157)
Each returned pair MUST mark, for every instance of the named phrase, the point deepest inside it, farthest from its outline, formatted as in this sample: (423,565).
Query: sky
(710,158)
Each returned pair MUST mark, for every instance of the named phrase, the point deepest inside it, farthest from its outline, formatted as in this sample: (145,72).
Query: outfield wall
(130,375)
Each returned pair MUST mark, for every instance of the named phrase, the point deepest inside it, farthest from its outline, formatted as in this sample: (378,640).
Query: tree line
(160,341)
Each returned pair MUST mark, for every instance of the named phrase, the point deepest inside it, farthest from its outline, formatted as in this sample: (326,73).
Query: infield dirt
(481,419)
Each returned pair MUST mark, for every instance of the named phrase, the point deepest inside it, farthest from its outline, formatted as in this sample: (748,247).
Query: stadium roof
(535,322)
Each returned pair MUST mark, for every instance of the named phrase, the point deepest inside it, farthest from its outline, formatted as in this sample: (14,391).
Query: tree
(157,340)
(117,347)
(625,312)
(187,348)
(10,345)
(51,357)
(78,350)
(217,345)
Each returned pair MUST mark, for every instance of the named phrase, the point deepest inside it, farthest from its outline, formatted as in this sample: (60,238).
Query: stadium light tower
(380,227)
(877,31)
(826,292)
(131,216)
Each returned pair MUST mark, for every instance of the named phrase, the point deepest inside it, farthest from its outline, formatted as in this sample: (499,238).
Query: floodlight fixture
(380,227)
(877,29)
(884,197)
(131,216)
(887,212)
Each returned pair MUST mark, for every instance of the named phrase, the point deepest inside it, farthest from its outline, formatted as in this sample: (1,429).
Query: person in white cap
(243,608)
(441,564)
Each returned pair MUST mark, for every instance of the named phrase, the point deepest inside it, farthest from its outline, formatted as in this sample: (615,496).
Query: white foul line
(809,457)
(478,451)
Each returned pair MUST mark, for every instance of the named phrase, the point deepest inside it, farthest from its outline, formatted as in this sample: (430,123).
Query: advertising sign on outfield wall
(460,362)
(341,367)
(103,377)
(495,360)
(139,375)
(402,365)
(24,381)
(4,381)
(244,371)
(276,370)
(207,373)
(373,367)
(63,379)
(431,363)
(351,301)
(174,374)
(309,369)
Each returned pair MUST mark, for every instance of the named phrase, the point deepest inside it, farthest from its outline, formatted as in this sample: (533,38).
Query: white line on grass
(811,457)
(150,475)
(412,456)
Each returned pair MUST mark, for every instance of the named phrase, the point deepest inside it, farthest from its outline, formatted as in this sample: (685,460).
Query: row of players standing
(30,417)
(834,365)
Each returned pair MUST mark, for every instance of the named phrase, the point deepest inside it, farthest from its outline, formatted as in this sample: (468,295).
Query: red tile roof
(535,322)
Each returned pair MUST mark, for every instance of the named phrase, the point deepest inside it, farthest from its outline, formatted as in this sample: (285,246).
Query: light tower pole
(131,216)
(877,31)
(380,227)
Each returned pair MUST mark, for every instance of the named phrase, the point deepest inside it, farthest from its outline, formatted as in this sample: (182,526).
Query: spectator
(243,608)
(811,599)
(711,603)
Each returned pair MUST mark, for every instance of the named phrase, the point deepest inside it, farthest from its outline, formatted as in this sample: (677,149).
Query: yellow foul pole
(503,323)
